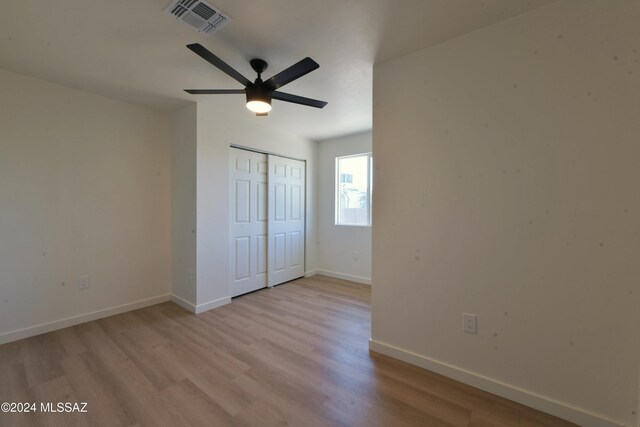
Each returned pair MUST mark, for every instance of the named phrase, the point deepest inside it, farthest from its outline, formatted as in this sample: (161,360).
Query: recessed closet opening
(267,220)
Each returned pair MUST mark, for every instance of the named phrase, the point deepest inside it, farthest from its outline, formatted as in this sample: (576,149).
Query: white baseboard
(311,272)
(43,328)
(183,303)
(551,406)
(66,322)
(349,277)
(201,308)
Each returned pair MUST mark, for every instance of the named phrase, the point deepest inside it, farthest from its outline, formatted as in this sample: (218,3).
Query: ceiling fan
(259,93)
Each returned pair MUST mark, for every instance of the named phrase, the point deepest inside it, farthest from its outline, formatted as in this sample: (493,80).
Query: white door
(248,221)
(286,219)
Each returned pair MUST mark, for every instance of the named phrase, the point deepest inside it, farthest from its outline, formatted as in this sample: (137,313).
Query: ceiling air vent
(198,14)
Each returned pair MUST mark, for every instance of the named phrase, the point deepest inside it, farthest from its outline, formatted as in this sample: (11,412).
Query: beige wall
(507,167)
(343,251)
(84,190)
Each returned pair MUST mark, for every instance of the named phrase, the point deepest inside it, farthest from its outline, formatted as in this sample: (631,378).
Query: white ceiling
(131,50)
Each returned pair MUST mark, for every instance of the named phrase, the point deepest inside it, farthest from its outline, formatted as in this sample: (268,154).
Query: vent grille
(198,14)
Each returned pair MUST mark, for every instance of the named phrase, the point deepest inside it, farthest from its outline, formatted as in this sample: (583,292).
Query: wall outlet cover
(83,282)
(469,323)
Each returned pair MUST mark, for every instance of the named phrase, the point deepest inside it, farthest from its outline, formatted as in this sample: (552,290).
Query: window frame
(336,186)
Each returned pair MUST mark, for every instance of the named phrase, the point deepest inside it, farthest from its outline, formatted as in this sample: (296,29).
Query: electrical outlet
(83,282)
(469,323)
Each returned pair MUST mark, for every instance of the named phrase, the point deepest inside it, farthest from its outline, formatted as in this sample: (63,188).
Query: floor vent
(198,14)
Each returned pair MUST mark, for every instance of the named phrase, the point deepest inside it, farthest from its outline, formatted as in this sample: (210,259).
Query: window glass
(353,192)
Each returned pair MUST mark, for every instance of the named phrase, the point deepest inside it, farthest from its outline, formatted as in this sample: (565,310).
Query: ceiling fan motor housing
(259,92)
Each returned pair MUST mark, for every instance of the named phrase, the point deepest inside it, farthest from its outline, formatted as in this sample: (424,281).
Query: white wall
(507,176)
(216,131)
(183,203)
(343,251)
(84,190)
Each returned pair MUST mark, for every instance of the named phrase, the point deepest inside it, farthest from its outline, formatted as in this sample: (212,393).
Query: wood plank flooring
(295,355)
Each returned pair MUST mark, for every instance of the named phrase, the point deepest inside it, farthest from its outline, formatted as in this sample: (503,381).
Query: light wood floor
(295,355)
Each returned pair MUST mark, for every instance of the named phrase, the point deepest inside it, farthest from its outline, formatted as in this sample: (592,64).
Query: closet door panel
(249,214)
(286,219)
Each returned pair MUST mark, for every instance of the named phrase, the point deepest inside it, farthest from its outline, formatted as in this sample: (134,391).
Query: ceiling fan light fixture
(258,99)
(259,106)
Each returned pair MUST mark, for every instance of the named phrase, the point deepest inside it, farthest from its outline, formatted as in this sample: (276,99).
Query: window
(353,189)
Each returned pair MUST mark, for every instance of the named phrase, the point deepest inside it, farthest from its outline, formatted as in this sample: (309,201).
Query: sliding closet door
(248,221)
(286,219)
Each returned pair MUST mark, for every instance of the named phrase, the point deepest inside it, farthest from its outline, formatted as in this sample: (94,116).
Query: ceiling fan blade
(217,62)
(281,96)
(262,114)
(292,73)
(213,91)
